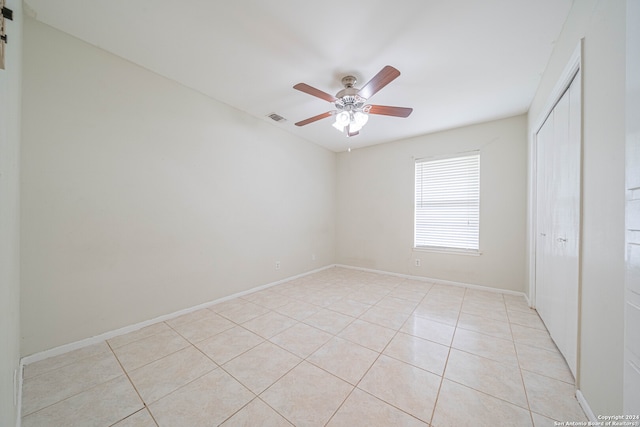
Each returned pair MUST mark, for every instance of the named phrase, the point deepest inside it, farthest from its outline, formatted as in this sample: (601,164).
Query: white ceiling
(462,61)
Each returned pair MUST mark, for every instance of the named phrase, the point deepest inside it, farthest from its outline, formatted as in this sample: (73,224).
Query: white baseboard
(131,328)
(111,334)
(36,357)
(585,406)
(438,281)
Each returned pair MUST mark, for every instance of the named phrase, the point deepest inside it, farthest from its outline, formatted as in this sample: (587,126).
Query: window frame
(475,251)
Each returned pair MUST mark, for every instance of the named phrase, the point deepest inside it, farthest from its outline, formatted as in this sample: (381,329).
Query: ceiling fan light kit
(354,121)
(352,111)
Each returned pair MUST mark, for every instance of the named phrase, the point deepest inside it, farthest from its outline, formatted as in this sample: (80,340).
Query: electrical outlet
(313,257)
(277,265)
(417,261)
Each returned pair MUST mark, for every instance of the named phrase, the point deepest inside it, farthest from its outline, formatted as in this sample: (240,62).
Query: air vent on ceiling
(276,118)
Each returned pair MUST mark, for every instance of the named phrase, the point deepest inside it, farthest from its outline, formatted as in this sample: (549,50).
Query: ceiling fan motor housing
(348,98)
(350,103)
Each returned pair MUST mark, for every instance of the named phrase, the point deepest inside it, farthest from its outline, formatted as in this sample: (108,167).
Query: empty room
(363,213)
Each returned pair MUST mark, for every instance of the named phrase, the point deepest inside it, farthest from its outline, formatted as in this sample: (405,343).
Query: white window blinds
(448,203)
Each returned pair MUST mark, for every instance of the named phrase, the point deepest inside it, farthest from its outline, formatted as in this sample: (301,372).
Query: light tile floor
(340,347)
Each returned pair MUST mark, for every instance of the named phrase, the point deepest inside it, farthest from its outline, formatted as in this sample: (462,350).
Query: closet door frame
(573,67)
(631,373)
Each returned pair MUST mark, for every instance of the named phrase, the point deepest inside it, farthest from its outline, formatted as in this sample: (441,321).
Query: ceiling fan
(352,111)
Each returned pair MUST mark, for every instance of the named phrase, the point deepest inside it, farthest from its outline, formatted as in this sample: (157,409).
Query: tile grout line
(195,379)
(524,387)
(367,371)
(274,409)
(493,360)
(220,366)
(144,404)
(341,379)
(302,359)
(188,383)
(23,415)
(444,370)
(69,397)
(319,367)
(380,353)
(521,369)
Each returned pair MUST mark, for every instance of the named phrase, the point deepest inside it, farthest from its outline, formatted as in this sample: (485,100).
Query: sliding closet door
(544,295)
(558,221)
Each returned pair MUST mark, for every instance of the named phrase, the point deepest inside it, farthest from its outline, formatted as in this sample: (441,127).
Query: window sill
(468,252)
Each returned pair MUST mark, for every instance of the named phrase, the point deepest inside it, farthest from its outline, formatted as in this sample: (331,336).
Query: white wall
(138,199)
(141,197)
(376,196)
(10,215)
(602,25)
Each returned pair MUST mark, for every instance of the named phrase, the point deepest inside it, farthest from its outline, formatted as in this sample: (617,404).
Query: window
(447,214)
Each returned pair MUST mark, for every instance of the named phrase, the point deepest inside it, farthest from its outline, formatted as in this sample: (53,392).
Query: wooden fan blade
(380,80)
(385,110)
(303,87)
(315,118)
